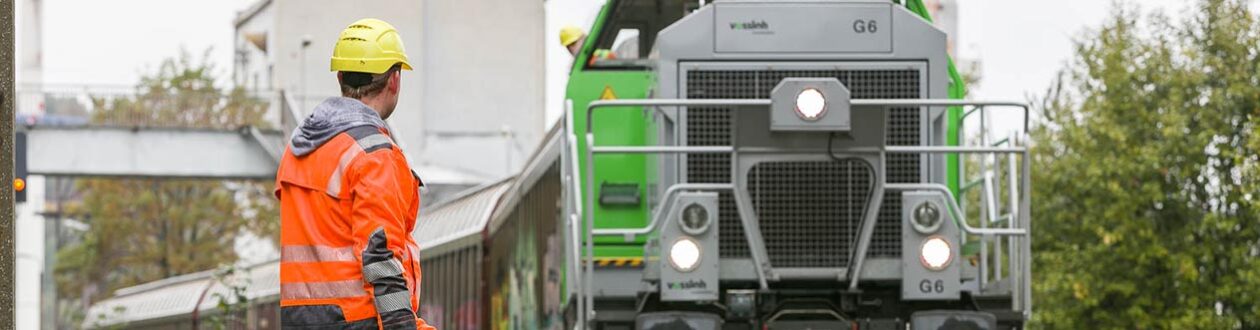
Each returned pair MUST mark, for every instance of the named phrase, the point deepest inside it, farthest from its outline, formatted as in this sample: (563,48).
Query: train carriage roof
(459,222)
(171,300)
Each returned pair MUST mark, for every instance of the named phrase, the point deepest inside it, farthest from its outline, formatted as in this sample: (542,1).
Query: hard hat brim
(569,41)
(373,66)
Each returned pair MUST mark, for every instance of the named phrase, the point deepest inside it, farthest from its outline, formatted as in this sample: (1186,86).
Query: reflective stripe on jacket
(347,257)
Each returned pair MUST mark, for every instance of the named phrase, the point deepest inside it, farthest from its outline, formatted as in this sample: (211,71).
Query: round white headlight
(684,254)
(810,104)
(936,253)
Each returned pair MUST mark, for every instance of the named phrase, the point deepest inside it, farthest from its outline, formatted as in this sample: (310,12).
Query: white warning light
(810,104)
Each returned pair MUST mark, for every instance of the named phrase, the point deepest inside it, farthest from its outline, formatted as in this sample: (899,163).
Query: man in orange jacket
(348,200)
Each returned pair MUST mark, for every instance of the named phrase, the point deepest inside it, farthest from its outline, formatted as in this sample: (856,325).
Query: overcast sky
(1021,44)
(113,42)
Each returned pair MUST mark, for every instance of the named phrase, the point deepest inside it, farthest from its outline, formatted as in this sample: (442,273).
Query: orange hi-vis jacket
(348,260)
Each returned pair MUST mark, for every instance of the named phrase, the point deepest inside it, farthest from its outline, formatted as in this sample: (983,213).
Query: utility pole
(28,56)
(7,262)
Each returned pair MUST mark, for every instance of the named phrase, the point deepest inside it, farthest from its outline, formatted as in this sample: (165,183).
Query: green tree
(1145,196)
(145,229)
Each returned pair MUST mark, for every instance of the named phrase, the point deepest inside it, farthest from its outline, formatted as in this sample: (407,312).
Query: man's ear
(394,81)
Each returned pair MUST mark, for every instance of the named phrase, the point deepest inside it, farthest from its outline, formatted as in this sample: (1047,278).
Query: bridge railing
(138,106)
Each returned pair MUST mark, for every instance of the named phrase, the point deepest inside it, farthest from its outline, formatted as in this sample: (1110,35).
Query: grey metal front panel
(691,65)
(917,281)
(820,28)
(714,126)
(692,39)
(701,282)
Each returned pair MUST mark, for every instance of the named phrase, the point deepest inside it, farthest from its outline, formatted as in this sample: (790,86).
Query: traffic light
(19,167)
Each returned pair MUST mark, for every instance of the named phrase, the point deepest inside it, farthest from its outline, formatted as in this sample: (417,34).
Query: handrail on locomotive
(1018,201)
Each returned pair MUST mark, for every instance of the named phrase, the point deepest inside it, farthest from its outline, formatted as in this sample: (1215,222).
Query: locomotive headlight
(684,254)
(695,219)
(926,218)
(936,253)
(810,104)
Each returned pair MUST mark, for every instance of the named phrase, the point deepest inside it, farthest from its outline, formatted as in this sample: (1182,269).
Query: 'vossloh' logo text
(750,25)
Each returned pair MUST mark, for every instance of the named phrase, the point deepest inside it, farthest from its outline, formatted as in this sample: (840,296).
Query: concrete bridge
(76,146)
(111,151)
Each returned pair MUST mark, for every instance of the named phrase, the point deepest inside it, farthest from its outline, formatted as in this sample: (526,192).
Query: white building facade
(471,109)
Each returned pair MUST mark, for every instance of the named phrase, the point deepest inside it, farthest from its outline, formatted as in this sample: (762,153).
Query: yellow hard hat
(369,45)
(570,34)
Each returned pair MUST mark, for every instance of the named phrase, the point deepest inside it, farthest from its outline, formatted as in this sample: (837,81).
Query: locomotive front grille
(809,209)
(822,232)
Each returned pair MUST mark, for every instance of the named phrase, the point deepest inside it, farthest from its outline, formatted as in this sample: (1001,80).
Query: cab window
(627,36)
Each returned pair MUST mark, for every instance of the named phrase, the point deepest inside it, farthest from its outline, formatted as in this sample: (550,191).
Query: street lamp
(306,43)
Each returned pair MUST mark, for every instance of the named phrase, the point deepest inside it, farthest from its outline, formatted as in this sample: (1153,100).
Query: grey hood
(331,117)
